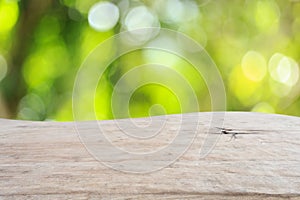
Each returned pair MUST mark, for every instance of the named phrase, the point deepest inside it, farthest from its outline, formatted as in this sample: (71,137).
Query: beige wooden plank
(47,159)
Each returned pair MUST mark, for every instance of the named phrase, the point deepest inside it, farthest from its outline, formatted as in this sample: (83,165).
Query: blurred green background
(254,43)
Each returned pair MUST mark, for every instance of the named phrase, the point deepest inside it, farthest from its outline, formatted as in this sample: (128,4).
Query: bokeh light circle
(9,13)
(254,66)
(140,25)
(103,16)
(284,69)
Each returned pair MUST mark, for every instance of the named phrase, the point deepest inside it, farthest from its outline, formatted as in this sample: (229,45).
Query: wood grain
(47,160)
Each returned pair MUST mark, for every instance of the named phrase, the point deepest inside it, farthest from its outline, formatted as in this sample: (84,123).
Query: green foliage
(254,43)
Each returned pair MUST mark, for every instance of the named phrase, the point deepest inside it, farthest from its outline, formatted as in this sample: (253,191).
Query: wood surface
(258,159)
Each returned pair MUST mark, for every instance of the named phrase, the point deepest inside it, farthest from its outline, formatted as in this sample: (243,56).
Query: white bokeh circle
(103,16)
